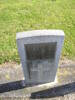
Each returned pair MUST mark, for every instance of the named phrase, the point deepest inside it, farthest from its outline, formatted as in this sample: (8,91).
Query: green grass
(23,15)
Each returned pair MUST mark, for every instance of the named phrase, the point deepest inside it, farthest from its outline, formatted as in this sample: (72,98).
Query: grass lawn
(22,15)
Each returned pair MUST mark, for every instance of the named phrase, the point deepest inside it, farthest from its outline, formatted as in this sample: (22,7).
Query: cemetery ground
(12,84)
(23,15)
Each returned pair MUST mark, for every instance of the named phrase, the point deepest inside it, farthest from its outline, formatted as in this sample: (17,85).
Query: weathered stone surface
(39,53)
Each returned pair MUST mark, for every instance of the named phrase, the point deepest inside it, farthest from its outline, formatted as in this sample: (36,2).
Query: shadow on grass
(48,93)
(6,87)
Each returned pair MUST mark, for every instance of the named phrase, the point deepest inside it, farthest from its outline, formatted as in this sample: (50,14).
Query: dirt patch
(66,62)
(12,71)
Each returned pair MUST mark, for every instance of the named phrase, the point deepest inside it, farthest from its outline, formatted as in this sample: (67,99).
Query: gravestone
(39,52)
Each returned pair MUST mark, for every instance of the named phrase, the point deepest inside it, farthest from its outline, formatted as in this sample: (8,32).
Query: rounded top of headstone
(34,33)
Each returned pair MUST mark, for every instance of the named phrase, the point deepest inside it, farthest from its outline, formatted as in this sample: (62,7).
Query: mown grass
(22,15)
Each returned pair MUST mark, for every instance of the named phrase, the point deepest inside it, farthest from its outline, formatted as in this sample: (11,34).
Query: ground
(64,89)
(23,15)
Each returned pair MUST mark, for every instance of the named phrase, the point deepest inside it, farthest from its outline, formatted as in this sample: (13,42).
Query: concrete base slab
(37,88)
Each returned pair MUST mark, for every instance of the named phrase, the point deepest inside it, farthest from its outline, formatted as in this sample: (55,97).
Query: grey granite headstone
(39,52)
